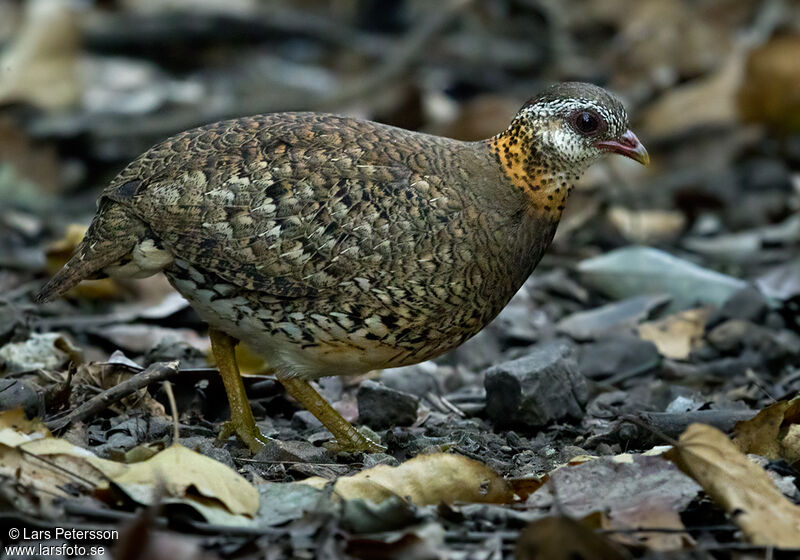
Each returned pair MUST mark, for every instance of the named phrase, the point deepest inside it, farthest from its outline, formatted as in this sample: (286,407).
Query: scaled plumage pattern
(333,245)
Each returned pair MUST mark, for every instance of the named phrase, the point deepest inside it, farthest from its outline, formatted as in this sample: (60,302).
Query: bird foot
(251,436)
(357,443)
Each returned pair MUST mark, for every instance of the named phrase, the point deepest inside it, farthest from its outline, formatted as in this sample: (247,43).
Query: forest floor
(638,398)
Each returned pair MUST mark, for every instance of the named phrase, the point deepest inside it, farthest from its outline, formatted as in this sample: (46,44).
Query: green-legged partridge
(332,245)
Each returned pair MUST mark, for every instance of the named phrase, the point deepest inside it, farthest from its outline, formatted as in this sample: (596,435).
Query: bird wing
(290,204)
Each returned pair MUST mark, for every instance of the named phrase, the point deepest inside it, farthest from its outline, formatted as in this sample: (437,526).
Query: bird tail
(113,234)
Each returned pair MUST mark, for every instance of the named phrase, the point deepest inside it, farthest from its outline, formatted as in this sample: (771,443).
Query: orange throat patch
(529,171)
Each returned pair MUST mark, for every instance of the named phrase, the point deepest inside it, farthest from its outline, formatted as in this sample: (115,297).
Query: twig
(661,427)
(174,409)
(156,372)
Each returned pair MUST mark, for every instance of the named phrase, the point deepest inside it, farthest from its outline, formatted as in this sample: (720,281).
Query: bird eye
(586,122)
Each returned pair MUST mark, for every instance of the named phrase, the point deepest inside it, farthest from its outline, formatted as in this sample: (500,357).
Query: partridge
(333,245)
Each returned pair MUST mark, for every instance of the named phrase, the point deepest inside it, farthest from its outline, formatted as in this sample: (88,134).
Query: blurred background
(677,286)
(713,87)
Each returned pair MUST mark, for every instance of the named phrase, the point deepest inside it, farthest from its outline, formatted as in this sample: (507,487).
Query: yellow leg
(242,423)
(347,437)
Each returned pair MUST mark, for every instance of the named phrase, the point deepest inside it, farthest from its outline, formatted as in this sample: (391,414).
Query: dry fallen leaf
(676,335)
(773,433)
(34,459)
(16,421)
(639,491)
(104,375)
(770,90)
(424,480)
(249,362)
(703,102)
(183,472)
(42,66)
(741,487)
(563,538)
(647,226)
(180,472)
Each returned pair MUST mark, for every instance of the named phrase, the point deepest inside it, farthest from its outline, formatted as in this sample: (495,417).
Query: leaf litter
(701,326)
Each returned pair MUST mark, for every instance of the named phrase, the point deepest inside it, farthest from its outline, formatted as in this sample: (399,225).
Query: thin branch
(156,372)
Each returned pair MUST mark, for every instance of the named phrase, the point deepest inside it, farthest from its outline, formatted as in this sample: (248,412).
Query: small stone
(569,452)
(375,459)
(419,379)
(276,450)
(615,316)
(15,393)
(479,352)
(168,350)
(731,336)
(774,321)
(735,336)
(747,304)
(617,356)
(304,420)
(381,407)
(205,446)
(540,388)
(604,449)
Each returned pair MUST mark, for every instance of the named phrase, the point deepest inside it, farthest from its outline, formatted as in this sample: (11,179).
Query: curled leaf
(741,487)
(773,433)
(423,480)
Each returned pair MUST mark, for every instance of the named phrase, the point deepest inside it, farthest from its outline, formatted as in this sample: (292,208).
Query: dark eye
(587,122)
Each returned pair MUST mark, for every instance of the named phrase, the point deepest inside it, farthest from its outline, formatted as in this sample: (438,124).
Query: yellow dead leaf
(773,433)
(249,362)
(182,470)
(424,480)
(741,487)
(46,482)
(43,65)
(27,451)
(14,419)
(29,455)
(791,444)
(770,90)
(647,226)
(677,335)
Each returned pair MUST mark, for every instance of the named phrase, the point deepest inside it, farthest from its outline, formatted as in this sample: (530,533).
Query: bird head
(574,123)
(556,135)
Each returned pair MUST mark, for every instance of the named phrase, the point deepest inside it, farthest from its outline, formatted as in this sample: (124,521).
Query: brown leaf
(632,491)
(770,90)
(42,66)
(563,538)
(773,433)
(706,101)
(647,226)
(426,479)
(184,472)
(676,335)
(176,471)
(742,488)
(104,375)
(16,420)
(250,363)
